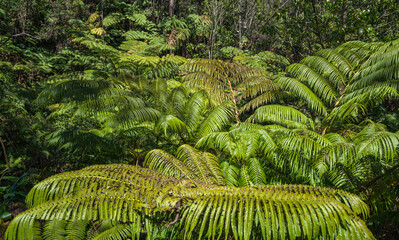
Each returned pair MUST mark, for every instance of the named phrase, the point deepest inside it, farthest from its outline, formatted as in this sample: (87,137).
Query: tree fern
(136,194)
(231,81)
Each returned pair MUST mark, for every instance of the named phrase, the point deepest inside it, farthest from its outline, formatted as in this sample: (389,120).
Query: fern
(132,194)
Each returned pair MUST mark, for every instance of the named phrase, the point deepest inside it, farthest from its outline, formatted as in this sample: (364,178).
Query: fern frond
(119,231)
(194,108)
(136,35)
(288,214)
(358,104)
(54,230)
(171,122)
(382,145)
(78,90)
(142,21)
(265,98)
(203,164)
(320,85)
(302,91)
(283,115)
(131,117)
(76,230)
(372,87)
(94,177)
(338,60)
(217,119)
(112,19)
(256,173)
(322,140)
(326,69)
(335,138)
(130,194)
(221,141)
(329,156)
(304,145)
(167,164)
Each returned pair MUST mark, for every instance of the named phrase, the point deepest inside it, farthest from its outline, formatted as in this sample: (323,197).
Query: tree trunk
(5,154)
(239,30)
(172,4)
(316,19)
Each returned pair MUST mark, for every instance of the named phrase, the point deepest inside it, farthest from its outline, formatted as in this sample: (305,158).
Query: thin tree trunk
(5,154)
(239,30)
(344,18)
(171,8)
(318,32)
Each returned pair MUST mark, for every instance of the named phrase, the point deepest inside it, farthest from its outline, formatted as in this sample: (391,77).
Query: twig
(174,221)
(19,35)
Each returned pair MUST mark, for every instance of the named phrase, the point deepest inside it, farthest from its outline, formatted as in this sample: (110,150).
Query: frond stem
(236,112)
(364,187)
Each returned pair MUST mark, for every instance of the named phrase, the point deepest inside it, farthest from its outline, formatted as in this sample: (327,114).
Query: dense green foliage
(246,119)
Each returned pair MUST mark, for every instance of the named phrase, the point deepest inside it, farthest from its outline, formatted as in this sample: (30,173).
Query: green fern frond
(371,87)
(217,119)
(320,85)
(76,230)
(231,173)
(357,105)
(94,177)
(194,108)
(363,49)
(347,113)
(167,164)
(385,55)
(119,231)
(283,115)
(326,69)
(203,164)
(382,145)
(287,214)
(304,145)
(217,141)
(112,19)
(302,91)
(131,117)
(265,98)
(335,138)
(256,173)
(130,194)
(55,229)
(141,21)
(132,46)
(175,125)
(338,60)
(322,140)
(78,90)
(376,76)
(329,156)
(136,35)
(261,86)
